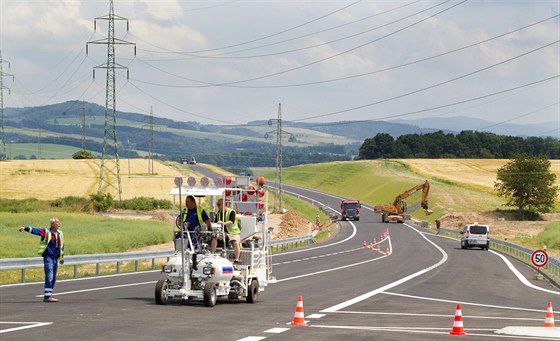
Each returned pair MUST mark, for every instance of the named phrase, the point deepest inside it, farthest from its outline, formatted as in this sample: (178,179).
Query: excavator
(395,211)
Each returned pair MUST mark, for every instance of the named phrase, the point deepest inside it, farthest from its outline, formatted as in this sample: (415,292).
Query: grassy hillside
(380,181)
(51,179)
(48,150)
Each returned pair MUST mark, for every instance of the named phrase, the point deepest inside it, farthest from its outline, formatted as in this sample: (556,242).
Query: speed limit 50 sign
(539,258)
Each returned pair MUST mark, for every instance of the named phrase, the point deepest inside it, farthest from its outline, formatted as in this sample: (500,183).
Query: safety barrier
(23,264)
(552,269)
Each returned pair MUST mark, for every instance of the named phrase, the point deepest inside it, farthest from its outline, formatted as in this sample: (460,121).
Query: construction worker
(438,226)
(51,248)
(233,233)
(195,217)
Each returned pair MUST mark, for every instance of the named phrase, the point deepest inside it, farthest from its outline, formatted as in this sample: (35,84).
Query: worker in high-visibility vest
(227,218)
(51,247)
(196,218)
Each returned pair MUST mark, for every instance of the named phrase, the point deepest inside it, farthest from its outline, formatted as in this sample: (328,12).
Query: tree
(82,154)
(528,183)
(384,144)
(367,150)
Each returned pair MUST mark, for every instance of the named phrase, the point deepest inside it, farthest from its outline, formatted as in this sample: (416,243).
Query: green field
(83,233)
(48,150)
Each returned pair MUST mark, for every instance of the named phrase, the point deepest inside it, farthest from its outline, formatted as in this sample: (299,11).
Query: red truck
(350,210)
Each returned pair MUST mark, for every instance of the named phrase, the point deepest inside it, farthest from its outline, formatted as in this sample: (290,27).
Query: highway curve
(405,290)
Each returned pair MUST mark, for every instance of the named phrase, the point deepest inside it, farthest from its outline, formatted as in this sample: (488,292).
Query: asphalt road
(349,292)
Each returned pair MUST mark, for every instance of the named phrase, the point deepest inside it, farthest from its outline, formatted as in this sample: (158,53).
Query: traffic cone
(549,316)
(298,319)
(458,322)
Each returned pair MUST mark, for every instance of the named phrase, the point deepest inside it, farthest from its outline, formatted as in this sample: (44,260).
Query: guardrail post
(153,263)
(96,269)
(22,275)
(75,270)
(136,265)
(118,267)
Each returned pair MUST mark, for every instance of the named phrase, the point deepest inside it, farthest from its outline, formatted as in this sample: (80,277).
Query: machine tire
(383,218)
(253,292)
(210,295)
(357,218)
(463,246)
(161,288)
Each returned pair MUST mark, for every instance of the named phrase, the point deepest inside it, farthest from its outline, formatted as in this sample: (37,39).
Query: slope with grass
(51,179)
(45,150)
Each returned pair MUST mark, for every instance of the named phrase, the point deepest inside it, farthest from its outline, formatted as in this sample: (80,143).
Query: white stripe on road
(332,269)
(383,329)
(439,315)
(466,303)
(31,325)
(101,288)
(521,277)
(393,284)
(276,330)
(315,316)
(252,338)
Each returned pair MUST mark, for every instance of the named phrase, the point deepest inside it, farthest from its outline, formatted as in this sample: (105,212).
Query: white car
(475,235)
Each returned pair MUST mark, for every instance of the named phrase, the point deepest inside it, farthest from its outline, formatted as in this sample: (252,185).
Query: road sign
(178,181)
(191,181)
(539,258)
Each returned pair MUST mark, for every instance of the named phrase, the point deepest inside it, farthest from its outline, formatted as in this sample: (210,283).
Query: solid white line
(36,324)
(252,338)
(315,316)
(321,256)
(512,268)
(425,332)
(465,303)
(521,277)
(332,269)
(394,284)
(276,330)
(80,279)
(101,288)
(439,315)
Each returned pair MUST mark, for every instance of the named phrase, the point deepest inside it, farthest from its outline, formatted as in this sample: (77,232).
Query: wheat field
(51,179)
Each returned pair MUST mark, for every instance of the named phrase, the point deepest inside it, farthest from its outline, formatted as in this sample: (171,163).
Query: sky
(230,62)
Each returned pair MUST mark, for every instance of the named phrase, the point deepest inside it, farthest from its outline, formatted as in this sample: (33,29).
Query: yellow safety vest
(234,228)
(44,243)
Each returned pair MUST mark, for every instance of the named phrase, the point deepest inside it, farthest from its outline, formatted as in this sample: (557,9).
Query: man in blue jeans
(51,247)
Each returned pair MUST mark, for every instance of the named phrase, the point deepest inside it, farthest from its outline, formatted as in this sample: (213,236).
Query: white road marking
(382,329)
(80,279)
(252,338)
(101,288)
(332,269)
(276,330)
(521,277)
(512,268)
(439,315)
(393,284)
(30,325)
(326,255)
(315,316)
(465,303)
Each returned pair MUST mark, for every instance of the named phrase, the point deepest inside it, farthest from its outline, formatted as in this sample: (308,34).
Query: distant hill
(470,123)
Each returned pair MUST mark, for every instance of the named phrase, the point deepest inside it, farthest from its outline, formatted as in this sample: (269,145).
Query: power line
(281,41)
(520,116)
(428,87)
(258,39)
(344,77)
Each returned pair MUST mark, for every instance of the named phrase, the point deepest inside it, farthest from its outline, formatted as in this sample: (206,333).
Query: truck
(196,273)
(395,211)
(350,209)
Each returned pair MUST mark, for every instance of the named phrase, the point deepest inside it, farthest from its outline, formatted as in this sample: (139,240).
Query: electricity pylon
(2,87)
(110,172)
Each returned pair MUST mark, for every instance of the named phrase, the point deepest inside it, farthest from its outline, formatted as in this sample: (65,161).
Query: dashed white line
(315,316)
(276,330)
(439,315)
(252,338)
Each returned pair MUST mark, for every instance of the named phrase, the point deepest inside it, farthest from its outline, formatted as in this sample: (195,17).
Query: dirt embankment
(289,225)
(502,225)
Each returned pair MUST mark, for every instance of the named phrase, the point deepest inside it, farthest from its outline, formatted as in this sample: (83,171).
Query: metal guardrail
(522,253)
(97,259)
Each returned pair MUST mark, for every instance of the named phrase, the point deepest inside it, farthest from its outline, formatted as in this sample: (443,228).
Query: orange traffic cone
(458,322)
(298,319)
(549,316)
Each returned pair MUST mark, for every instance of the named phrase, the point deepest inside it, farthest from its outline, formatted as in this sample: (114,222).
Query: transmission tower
(150,152)
(83,127)
(39,156)
(279,132)
(2,87)
(110,172)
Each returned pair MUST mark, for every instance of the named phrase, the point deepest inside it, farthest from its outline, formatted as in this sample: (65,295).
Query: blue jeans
(51,267)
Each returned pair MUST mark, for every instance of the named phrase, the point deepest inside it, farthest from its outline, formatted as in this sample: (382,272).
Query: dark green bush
(72,203)
(23,206)
(143,204)
(101,201)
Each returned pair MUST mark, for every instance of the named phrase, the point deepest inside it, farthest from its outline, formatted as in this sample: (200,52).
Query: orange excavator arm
(425,187)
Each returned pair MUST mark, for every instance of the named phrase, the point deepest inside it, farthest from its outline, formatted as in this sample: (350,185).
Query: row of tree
(467,144)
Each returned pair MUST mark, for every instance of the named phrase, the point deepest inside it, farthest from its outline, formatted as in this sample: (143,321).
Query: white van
(475,235)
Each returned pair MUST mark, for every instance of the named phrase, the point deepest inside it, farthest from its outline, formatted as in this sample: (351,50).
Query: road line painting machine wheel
(196,274)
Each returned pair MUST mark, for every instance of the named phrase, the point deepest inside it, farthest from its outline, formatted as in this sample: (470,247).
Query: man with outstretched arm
(51,247)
